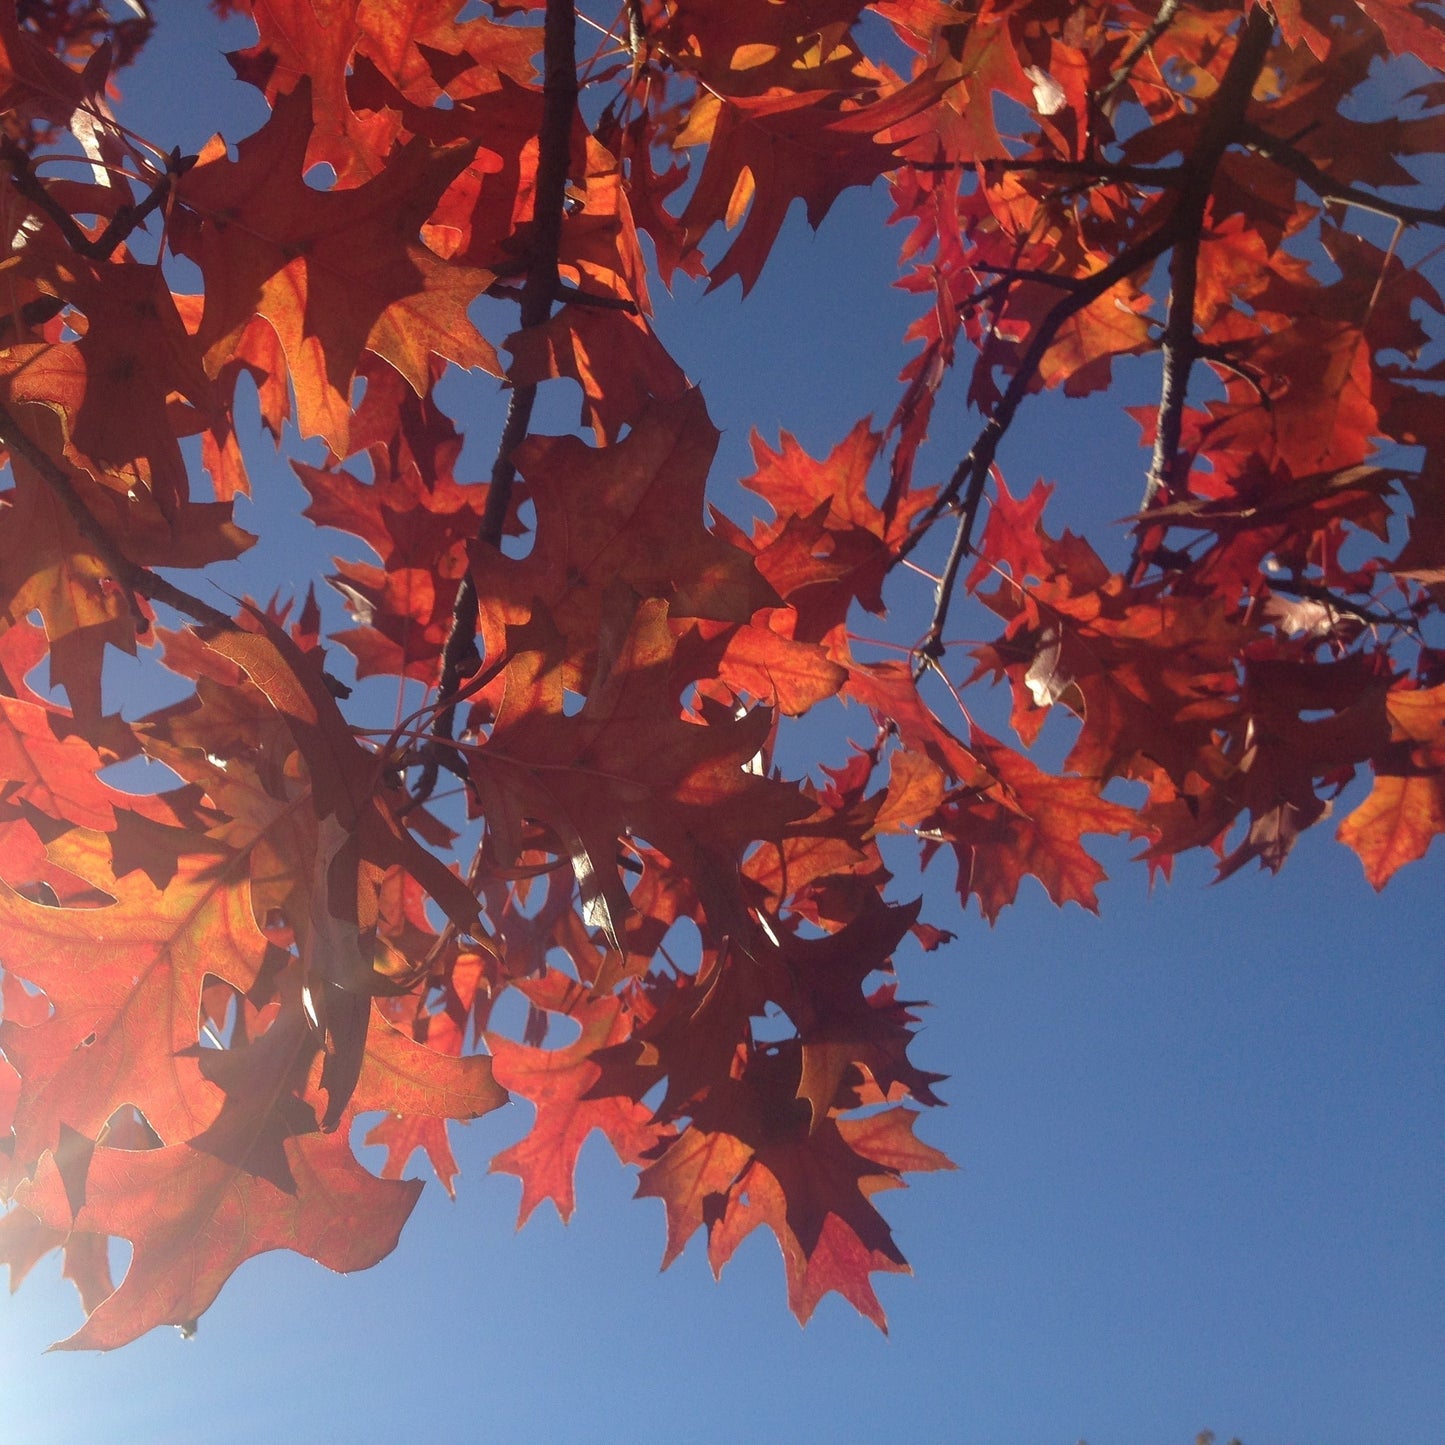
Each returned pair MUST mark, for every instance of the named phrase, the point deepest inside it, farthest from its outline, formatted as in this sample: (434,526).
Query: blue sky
(1201,1139)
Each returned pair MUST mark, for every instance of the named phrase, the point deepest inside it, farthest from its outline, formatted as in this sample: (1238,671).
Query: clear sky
(1201,1139)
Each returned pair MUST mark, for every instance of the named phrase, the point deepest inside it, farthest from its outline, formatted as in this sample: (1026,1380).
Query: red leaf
(559,1083)
(257,1180)
(335,272)
(1406,808)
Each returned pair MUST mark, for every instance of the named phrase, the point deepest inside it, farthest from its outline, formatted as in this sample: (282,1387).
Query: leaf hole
(128,1128)
(509,1014)
(520,545)
(372,1157)
(218,1015)
(140,777)
(120,1254)
(772,1026)
(25,1001)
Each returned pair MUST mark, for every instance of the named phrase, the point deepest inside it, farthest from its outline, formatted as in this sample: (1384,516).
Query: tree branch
(1091,170)
(539,289)
(565,294)
(1161,22)
(1224,124)
(1185,218)
(1180,351)
(969,476)
(1304,169)
(131,575)
(1298,587)
(120,225)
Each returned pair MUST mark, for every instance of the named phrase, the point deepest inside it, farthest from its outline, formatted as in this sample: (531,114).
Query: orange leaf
(335,272)
(558,1082)
(1405,810)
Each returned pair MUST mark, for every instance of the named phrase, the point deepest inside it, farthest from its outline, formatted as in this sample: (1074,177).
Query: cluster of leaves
(203,989)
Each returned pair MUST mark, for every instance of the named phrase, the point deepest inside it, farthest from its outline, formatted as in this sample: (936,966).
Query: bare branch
(967,478)
(1221,127)
(1180,351)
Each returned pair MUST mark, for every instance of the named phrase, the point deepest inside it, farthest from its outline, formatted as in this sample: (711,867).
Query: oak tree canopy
(576,802)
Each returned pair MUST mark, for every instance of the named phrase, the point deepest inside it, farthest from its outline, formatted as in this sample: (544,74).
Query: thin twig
(120,226)
(129,217)
(1161,22)
(1222,126)
(1028,273)
(565,293)
(24,179)
(969,476)
(1314,592)
(1180,351)
(133,577)
(1101,171)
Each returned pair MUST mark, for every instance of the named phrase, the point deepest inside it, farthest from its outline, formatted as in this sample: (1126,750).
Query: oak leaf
(560,1082)
(627,765)
(629,513)
(260,1178)
(335,272)
(124,981)
(1405,810)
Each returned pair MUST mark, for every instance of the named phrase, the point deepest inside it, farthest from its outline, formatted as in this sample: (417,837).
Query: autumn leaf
(1405,810)
(333,272)
(598,777)
(811,1186)
(124,981)
(766,151)
(630,513)
(1026,822)
(257,1180)
(559,1083)
(586,792)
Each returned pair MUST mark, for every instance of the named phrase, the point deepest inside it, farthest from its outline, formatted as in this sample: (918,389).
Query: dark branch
(134,578)
(1223,125)
(459,656)
(566,293)
(1220,127)
(1180,352)
(1296,587)
(1304,169)
(117,229)
(129,217)
(969,476)
(1161,22)
(1029,273)
(1100,171)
